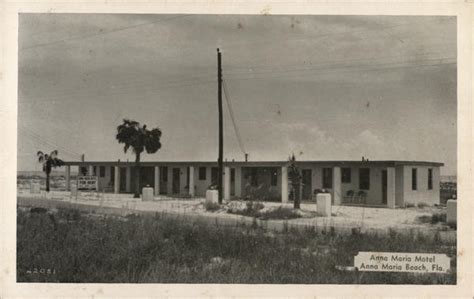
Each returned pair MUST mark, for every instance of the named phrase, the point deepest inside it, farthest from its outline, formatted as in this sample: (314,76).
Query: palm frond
(40,156)
(56,162)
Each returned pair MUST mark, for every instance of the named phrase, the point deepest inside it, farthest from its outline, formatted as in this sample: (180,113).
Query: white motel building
(373,183)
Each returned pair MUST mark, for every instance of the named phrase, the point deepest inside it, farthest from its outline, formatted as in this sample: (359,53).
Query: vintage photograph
(237,149)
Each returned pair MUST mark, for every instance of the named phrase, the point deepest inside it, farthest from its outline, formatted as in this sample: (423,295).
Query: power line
(270,68)
(44,141)
(307,36)
(124,90)
(99,33)
(340,70)
(133,85)
(232,117)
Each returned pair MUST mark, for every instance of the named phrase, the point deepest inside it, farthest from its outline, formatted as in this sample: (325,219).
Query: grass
(152,249)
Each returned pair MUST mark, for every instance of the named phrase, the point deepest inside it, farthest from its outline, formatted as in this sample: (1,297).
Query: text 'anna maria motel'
(402,262)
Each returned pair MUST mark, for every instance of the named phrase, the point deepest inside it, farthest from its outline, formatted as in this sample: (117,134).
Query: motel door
(232,181)
(176,179)
(164,180)
(306,180)
(384,187)
(123,179)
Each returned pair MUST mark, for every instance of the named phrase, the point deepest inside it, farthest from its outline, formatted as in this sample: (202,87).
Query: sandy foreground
(342,216)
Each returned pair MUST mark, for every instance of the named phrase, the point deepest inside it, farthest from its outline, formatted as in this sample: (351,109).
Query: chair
(362,195)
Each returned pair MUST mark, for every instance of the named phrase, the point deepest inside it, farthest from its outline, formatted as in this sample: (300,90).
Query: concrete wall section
(422,194)
(202,185)
(399,187)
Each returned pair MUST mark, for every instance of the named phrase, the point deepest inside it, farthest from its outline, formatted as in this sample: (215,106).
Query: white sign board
(402,262)
(87,182)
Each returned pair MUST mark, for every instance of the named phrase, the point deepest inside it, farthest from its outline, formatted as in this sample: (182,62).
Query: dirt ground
(346,216)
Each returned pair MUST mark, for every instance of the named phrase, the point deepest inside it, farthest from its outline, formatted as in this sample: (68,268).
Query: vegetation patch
(156,249)
(422,205)
(280,213)
(433,219)
(252,209)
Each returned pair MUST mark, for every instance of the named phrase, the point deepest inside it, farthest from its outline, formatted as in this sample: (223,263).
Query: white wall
(399,186)
(422,194)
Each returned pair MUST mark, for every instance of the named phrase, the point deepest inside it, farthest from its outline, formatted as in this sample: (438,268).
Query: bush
(422,205)
(433,219)
(280,213)
(211,206)
(254,206)
(438,217)
(409,205)
(252,209)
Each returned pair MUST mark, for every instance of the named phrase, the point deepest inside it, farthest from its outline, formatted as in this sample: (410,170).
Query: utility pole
(221,134)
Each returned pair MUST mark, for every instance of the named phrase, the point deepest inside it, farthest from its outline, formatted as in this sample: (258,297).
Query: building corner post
(117,179)
(336,186)
(192,190)
(284,184)
(227,183)
(68,178)
(157,181)
(391,187)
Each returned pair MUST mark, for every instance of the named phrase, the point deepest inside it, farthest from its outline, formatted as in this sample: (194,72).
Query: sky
(321,87)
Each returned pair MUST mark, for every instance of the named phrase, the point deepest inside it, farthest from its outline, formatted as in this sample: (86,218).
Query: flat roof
(387,163)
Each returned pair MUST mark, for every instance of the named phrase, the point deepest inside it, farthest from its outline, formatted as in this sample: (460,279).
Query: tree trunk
(137,176)
(47,182)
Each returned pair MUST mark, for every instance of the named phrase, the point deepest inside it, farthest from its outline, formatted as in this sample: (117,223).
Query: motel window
(202,173)
(345,175)
(112,173)
(414,179)
(94,170)
(232,175)
(83,170)
(164,174)
(274,179)
(327,178)
(102,171)
(430,179)
(364,178)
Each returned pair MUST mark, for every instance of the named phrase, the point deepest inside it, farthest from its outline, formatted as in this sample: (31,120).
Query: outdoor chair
(361,196)
(349,198)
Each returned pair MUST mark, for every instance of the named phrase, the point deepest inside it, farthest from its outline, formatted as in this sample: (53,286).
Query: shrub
(433,219)
(211,206)
(409,205)
(438,217)
(280,213)
(254,206)
(252,209)
(422,205)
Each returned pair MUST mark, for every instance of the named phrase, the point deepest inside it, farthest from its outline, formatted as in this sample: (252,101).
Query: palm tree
(139,138)
(49,162)
(295,178)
